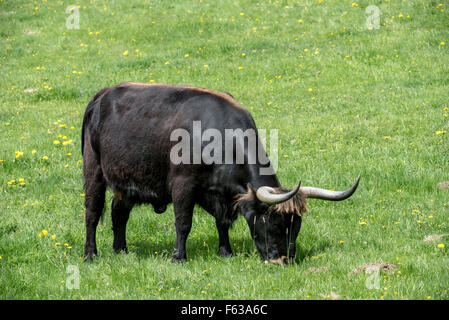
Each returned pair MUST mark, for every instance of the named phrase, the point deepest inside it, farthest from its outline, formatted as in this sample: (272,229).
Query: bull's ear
(250,188)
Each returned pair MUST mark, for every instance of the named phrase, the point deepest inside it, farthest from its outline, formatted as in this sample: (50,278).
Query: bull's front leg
(183,206)
(224,247)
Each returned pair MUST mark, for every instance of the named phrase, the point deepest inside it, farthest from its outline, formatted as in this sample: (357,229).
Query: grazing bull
(129,145)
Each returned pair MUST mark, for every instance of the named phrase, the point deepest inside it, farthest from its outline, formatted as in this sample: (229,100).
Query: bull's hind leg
(183,204)
(121,207)
(94,189)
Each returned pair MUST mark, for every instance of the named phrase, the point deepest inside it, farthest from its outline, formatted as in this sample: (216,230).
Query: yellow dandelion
(441,245)
(56,142)
(125,53)
(19,154)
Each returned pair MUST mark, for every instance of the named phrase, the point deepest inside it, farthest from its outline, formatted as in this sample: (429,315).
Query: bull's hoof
(160,209)
(178,258)
(225,253)
(120,249)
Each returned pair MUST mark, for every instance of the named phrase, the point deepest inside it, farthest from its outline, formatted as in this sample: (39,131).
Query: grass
(345,99)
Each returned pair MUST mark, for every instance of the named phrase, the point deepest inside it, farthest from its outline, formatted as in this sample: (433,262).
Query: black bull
(127,146)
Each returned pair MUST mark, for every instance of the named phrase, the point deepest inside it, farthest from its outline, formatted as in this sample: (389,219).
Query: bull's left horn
(318,193)
(269,195)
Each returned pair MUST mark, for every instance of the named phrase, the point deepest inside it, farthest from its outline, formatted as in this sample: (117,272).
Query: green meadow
(351,89)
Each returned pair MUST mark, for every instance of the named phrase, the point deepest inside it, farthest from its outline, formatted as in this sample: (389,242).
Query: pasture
(344,98)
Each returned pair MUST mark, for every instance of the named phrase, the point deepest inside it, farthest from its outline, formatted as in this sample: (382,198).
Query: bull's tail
(88,114)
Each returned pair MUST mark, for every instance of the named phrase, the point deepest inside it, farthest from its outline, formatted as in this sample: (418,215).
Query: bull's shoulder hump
(223,95)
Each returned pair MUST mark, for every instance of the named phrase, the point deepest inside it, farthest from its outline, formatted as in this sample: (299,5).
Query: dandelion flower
(441,245)
(56,142)
(125,53)
(19,154)
(44,232)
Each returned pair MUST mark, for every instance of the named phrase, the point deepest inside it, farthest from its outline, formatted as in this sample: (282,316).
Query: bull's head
(274,216)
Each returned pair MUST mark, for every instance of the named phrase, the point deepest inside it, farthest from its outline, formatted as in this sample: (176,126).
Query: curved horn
(318,193)
(269,196)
